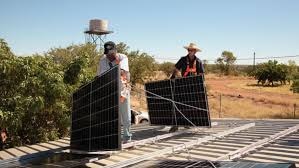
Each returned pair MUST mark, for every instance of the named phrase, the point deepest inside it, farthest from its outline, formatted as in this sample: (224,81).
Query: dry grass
(252,85)
(280,95)
(246,108)
(241,98)
(138,98)
(212,76)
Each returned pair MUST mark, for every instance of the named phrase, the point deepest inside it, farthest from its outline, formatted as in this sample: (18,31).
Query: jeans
(125,111)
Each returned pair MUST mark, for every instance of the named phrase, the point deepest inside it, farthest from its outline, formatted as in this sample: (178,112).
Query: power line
(239,59)
(277,57)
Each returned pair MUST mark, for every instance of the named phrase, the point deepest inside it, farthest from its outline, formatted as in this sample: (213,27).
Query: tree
(34,106)
(5,51)
(206,66)
(35,91)
(66,56)
(271,72)
(295,83)
(35,97)
(79,62)
(71,75)
(142,65)
(166,67)
(122,48)
(292,70)
(225,62)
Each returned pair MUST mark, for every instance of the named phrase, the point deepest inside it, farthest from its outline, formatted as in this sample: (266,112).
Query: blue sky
(158,27)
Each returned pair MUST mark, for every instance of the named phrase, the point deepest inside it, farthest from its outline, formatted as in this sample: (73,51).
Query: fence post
(220,112)
(295,105)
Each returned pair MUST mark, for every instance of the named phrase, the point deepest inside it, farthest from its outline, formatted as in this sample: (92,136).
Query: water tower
(98,29)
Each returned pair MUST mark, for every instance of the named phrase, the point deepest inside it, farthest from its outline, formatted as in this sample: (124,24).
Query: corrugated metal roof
(286,149)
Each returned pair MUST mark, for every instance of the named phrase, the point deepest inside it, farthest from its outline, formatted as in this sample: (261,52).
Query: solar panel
(208,164)
(95,114)
(190,101)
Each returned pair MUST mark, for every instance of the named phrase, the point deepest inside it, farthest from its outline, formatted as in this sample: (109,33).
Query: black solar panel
(190,99)
(95,114)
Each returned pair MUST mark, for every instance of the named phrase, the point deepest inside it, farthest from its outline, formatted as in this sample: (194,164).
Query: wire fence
(254,102)
(245,60)
(243,98)
(257,107)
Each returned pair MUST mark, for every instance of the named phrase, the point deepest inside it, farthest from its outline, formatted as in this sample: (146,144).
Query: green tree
(292,70)
(66,56)
(36,90)
(34,106)
(271,72)
(166,67)
(206,66)
(122,48)
(79,62)
(142,65)
(225,62)
(35,97)
(295,83)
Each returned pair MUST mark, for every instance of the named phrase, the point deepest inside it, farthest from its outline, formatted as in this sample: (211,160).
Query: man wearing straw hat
(188,65)
(110,59)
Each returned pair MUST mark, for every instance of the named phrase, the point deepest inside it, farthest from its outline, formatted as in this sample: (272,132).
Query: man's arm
(175,73)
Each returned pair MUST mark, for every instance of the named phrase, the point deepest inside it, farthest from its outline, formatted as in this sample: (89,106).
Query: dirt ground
(240,98)
(246,88)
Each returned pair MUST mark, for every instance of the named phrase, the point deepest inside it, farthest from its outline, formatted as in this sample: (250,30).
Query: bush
(271,72)
(142,65)
(35,91)
(295,83)
(166,67)
(35,97)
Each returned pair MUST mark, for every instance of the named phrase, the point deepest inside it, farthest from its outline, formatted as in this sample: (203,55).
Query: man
(110,59)
(188,65)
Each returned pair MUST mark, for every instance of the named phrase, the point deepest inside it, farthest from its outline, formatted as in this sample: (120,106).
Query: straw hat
(192,46)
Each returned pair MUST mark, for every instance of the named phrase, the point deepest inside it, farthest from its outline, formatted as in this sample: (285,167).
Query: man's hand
(174,73)
(172,76)
(122,99)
